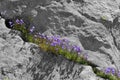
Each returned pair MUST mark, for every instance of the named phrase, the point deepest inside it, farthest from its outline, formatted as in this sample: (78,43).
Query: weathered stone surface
(20,60)
(94,24)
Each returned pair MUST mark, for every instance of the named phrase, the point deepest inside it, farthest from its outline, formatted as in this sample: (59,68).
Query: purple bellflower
(19,21)
(118,74)
(76,48)
(113,70)
(32,29)
(107,70)
(110,70)
(11,23)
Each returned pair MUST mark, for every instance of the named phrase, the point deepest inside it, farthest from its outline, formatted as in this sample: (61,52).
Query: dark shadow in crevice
(81,1)
(28,24)
(88,16)
(8,24)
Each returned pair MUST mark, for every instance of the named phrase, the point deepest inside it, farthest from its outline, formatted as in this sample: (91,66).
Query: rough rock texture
(92,24)
(20,60)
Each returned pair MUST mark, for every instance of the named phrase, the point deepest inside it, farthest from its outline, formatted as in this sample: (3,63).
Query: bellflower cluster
(76,48)
(112,71)
(55,41)
(63,43)
(19,21)
(109,70)
(43,36)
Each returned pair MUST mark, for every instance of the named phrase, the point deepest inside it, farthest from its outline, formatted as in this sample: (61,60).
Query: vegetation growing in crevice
(59,46)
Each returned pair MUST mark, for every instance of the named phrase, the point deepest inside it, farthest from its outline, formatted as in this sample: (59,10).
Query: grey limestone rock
(21,60)
(93,24)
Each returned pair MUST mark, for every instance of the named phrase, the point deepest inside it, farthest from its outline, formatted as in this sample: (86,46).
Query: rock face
(94,25)
(20,60)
